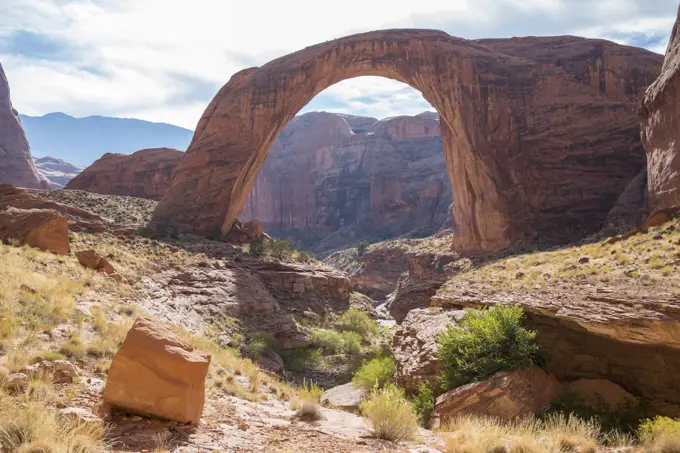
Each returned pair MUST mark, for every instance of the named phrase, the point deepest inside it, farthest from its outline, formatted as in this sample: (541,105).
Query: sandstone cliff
(660,123)
(332,180)
(16,163)
(144,174)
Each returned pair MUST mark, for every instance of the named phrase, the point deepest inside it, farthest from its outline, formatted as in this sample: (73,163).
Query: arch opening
(500,114)
(363,161)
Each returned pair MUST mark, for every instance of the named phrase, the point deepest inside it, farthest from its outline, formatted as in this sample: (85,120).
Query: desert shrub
(423,403)
(358,321)
(329,340)
(361,247)
(377,372)
(483,343)
(257,247)
(660,435)
(301,359)
(258,343)
(280,249)
(307,402)
(391,416)
(351,343)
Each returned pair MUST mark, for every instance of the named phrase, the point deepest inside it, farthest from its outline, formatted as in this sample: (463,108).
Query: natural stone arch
(489,105)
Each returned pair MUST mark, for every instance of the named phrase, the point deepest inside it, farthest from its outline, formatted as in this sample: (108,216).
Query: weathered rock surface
(56,171)
(660,124)
(415,345)
(17,166)
(78,219)
(45,229)
(262,296)
(626,335)
(533,148)
(144,174)
(328,184)
(16,382)
(506,395)
(156,373)
(426,273)
(245,233)
(345,397)
(61,371)
(600,394)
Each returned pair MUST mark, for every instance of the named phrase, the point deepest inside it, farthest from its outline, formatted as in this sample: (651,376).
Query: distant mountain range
(81,141)
(56,171)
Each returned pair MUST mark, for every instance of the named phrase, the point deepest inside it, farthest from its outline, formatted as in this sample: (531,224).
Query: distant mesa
(144,174)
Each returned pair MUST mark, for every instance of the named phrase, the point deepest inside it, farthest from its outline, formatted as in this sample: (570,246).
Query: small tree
(361,247)
(483,343)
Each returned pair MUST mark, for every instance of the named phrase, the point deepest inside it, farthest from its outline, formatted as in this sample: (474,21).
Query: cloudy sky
(163,60)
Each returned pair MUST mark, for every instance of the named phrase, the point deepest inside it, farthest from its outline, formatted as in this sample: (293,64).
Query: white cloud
(163,60)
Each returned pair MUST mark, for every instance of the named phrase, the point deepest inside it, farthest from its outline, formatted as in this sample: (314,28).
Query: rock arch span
(530,147)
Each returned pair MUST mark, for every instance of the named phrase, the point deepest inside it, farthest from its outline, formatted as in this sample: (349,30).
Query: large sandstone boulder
(16,163)
(570,144)
(415,345)
(346,397)
(506,395)
(92,260)
(156,373)
(660,130)
(45,229)
(144,174)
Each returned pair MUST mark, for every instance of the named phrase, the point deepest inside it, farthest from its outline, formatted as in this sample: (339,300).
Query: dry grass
(558,433)
(645,259)
(391,416)
(307,403)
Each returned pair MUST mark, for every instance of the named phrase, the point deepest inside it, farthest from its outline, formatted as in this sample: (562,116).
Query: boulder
(415,345)
(62,371)
(16,382)
(271,361)
(156,373)
(79,415)
(506,395)
(600,394)
(345,397)
(92,260)
(45,229)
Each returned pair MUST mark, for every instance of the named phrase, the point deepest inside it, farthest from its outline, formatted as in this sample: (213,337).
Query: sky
(164,60)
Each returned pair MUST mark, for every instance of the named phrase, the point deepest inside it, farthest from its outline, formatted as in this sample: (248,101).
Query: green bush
(330,341)
(423,403)
(657,427)
(301,359)
(257,247)
(351,343)
(258,343)
(483,343)
(361,248)
(377,372)
(358,321)
(390,414)
(280,250)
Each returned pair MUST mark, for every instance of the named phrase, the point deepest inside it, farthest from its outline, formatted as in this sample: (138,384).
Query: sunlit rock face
(332,180)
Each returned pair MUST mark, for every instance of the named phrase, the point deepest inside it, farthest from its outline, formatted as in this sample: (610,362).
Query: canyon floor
(56,309)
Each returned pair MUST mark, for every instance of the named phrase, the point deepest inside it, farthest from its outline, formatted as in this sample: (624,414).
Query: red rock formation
(530,148)
(16,163)
(328,184)
(660,123)
(144,174)
(45,229)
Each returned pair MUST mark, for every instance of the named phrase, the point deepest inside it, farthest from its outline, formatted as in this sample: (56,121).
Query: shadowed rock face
(660,123)
(531,146)
(16,163)
(144,174)
(332,180)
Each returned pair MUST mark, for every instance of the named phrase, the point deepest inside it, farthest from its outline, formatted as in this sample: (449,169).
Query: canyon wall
(332,180)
